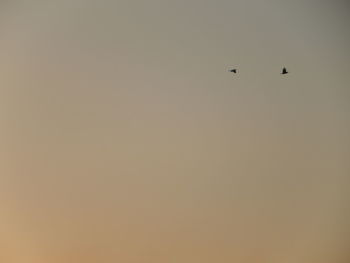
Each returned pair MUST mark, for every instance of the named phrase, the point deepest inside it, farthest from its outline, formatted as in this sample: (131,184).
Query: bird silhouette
(233,70)
(284,71)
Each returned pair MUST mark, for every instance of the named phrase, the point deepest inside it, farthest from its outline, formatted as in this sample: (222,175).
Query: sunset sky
(124,138)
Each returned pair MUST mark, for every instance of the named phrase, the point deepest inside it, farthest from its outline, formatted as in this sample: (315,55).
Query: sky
(125,138)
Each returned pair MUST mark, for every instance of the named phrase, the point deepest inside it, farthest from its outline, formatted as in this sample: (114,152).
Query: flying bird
(233,70)
(284,71)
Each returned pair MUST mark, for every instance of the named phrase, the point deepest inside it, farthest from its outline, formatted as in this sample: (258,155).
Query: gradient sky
(124,138)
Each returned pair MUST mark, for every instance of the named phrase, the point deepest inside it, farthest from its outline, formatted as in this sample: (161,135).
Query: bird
(284,71)
(233,70)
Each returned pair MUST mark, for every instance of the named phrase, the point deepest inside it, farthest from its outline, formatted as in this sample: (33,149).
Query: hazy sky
(124,138)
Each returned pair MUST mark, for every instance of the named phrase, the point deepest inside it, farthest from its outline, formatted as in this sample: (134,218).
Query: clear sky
(124,138)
